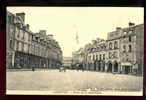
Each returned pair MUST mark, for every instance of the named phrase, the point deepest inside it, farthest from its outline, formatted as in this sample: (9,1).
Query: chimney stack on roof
(50,36)
(118,28)
(131,24)
(21,15)
(43,32)
(27,26)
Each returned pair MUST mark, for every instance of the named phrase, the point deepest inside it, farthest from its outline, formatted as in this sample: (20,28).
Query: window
(115,54)
(90,58)
(124,48)
(29,38)
(109,54)
(103,56)
(100,57)
(93,58)
(116,45)
(22,47)
(18,32)
(23,35)
(11,19)
(110,45)
(125,33)
(130,48)
(96,57)
(11,45)
(129,38)
(130,31)
(17,45)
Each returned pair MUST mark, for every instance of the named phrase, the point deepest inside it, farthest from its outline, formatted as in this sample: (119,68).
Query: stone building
(78,57)
(67,61)
(96,55)
(113,50)
(132,49)
(122,52)
(10,33)
(126,49)
(26,49)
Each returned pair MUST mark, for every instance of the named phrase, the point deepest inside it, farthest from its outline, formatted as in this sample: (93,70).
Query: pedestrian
(33,69)
(64,69)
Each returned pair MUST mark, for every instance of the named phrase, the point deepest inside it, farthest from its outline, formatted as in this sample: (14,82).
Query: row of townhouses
(26,49)
(122,52)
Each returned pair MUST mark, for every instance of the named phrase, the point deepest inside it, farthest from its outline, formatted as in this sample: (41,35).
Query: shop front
(126,67)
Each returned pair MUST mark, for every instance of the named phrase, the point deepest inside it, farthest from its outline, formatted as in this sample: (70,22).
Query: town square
(66,49)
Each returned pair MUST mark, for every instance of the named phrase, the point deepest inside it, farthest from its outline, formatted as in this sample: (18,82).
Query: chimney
(50,36)
(27,26)
(21,15)
(43,32)
(131,24)
(118,28)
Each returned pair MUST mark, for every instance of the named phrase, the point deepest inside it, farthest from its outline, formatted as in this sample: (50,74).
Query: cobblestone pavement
(71,80)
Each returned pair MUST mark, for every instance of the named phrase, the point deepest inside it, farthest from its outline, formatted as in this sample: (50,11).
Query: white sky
(88,22)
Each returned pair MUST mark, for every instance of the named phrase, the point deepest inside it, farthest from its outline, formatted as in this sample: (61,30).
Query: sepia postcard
(75,51)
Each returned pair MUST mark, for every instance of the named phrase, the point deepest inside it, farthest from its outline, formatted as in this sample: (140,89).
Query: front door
(127,69)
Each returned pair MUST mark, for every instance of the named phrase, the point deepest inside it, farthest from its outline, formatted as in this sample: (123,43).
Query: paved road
(53,80)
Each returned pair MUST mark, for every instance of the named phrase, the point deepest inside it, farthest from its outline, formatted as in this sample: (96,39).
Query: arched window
(115,44)
(124,48)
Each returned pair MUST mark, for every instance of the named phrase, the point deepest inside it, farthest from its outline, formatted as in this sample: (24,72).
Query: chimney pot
(43,32)
(27,26)
(131,24)
(118,28)
(22,15)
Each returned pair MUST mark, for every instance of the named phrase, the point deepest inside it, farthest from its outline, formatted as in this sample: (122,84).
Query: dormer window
(125,33)
(130,31)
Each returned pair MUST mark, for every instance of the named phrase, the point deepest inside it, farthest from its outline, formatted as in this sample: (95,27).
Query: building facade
(26,49)
(96,55)
(122,52)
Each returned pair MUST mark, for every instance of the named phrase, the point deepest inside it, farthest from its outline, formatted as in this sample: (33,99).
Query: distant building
(26,49)
(77,57)
(67,61)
